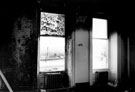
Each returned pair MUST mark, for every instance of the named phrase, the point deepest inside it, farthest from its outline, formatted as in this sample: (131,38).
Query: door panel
(81,56)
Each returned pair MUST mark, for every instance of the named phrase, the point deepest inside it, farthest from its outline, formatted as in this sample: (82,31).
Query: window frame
(40,35)
(104,18)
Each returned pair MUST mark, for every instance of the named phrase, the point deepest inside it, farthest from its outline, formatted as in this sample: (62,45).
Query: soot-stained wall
(24,50)
(18,53)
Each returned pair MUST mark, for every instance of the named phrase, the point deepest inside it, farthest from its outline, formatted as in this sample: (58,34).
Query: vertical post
(128,57)
(5,81)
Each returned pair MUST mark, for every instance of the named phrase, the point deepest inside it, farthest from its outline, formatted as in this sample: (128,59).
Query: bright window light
(52,54)
(52,42)
(99,44)
(100,54)
(99,28)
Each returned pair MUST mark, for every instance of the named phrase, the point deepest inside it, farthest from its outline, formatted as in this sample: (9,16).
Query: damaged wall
(19,53)
(24,50)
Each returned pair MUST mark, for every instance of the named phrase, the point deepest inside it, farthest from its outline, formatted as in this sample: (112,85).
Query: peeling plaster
(23,47)
(23,28)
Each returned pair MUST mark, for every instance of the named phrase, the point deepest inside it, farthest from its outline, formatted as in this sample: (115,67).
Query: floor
(93,89)
(83,88)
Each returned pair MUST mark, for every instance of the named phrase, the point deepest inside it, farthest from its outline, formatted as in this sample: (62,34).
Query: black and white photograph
(67,46)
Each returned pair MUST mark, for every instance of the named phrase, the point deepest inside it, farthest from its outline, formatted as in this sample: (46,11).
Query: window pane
(99,28)
(52,24)
(52,54)
(100,54)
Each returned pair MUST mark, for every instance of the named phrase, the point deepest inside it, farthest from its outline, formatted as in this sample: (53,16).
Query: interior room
(67,46)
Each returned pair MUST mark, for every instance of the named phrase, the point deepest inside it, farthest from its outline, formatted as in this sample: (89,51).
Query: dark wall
(18,46)
(132,60)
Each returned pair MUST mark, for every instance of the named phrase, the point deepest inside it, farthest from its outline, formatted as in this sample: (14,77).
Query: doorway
(81,56)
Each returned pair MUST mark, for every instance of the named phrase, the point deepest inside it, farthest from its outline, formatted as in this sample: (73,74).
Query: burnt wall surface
(18,47)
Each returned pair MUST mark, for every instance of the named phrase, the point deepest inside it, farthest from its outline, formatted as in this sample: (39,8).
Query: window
(52,42)
(99,44)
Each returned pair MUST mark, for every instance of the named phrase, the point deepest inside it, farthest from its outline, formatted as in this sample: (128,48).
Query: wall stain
(24,52)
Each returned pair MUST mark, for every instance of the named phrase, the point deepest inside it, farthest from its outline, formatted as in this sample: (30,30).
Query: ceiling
(119,9)
(108,6)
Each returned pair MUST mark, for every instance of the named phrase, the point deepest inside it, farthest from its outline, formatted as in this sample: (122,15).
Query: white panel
(52,54)
(100,54)
(99,28)
(81,56)
(113,56)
